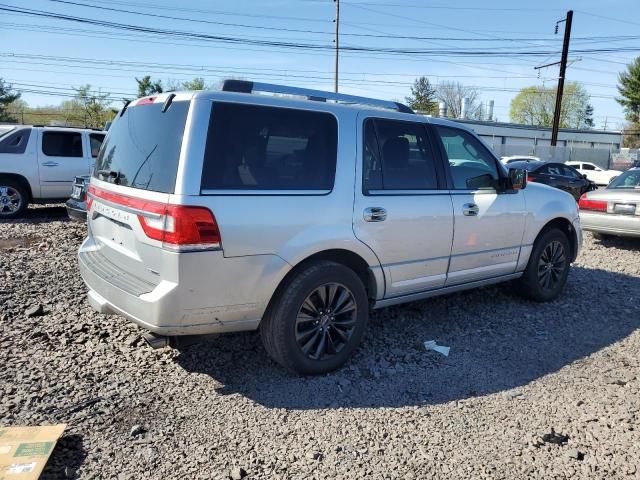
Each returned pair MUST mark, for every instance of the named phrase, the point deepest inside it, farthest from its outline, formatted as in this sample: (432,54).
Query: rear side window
(397,156)
(95,142)
(586,166)
(62,144)
(142,148)
(15,142)
(252,147)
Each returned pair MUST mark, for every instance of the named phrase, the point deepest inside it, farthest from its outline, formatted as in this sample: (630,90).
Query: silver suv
(297,212)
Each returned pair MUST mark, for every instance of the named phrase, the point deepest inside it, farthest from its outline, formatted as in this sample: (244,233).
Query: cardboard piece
(24,451)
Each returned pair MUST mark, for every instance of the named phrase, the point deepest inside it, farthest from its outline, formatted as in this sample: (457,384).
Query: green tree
(423,97)
(148,87)
(588,117)
(629,89)
(535,105)
(195,84)
(87,108)
(7,96)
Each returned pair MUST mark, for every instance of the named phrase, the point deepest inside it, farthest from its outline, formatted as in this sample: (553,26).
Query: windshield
(142,147)
(629,179)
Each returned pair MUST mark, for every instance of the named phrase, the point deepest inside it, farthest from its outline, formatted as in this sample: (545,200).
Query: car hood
(622,194)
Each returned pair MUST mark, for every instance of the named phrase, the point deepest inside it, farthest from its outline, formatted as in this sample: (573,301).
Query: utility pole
(337,41)
(563,69)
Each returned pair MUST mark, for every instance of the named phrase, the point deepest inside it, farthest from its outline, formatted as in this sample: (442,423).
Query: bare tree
(453,93)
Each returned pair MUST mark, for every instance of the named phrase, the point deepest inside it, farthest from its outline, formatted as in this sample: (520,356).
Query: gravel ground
(528,390)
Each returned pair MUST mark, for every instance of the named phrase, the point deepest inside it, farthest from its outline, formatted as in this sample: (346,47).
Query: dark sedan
(556,175)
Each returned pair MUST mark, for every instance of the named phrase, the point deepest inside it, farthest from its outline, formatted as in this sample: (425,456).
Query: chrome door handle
(50,164)
(375,214)
(470,209)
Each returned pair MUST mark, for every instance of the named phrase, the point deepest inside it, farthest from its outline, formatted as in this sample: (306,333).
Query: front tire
(13,199)
(317,320)
(546,273)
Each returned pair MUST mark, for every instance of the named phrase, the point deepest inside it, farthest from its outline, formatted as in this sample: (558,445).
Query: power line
(449,52)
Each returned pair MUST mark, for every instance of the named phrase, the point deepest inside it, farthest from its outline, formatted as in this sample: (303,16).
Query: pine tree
(629,88)
(423,97)
(7,96)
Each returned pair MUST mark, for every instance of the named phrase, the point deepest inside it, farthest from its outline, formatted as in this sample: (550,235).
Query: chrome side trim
(249,192)
(443,291)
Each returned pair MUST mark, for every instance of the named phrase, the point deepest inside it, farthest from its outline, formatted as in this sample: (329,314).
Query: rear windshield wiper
(115,174)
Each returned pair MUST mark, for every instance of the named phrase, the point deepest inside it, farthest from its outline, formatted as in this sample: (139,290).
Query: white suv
(39,164)
(222,211)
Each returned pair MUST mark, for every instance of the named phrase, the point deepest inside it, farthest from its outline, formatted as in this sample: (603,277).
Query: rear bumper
(77,210)
(230,300)
(622,225)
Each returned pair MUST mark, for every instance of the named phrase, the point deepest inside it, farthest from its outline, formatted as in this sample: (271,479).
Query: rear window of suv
(142,148)
(252,147)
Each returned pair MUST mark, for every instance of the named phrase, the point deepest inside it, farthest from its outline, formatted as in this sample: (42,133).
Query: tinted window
(586,166)
(95,142)
(397,156)
(553,169)
(571,172)
(255,147)
(62,144)
(16,141)
(472,166)
(142,148)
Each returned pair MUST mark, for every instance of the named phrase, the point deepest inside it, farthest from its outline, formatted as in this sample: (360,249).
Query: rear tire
(546,273)
(13,199)
(317,320)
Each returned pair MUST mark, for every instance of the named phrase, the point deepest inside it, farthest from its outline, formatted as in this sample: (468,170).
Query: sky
(492,45)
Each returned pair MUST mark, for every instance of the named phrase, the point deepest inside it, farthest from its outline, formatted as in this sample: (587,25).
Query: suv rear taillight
(178,227)
(594,205)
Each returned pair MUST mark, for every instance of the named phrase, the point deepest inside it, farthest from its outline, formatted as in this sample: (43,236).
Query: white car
(594,173)
(39,164)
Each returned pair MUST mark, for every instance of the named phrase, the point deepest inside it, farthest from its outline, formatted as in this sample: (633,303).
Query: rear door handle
(375,214)
(470,209)
(50,164)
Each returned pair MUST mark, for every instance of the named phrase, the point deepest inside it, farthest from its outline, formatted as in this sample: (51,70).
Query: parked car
(594,173)
(77,204)
(557,175)
(222,211)
(614,210)
(38,164)
(519,158)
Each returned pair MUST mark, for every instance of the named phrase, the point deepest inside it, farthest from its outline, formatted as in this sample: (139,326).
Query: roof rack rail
(245,86)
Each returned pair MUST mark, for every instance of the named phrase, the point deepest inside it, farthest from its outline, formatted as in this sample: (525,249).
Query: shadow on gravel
(498,342)
(42,214)
(624,243)
(65,459)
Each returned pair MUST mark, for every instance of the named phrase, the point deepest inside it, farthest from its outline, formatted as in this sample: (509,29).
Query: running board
(387,302)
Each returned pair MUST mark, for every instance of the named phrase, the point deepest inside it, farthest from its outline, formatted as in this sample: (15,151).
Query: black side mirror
(518,177)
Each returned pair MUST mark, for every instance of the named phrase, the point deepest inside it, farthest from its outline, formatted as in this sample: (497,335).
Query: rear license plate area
(624,208)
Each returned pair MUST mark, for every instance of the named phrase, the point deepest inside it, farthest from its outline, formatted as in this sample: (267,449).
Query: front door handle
(50,164)
(375,214)
(470,209)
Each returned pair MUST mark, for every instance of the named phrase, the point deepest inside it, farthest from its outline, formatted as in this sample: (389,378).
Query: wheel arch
(567,228)
(21,179)
(348,258)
